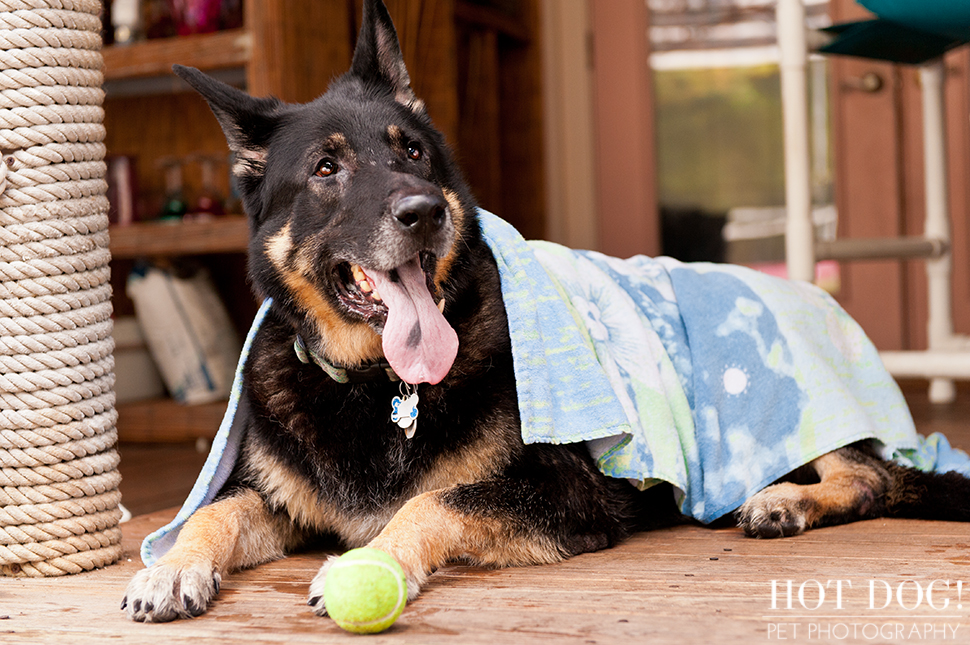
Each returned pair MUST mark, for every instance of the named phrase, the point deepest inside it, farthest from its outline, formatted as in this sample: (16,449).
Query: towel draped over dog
(715,378)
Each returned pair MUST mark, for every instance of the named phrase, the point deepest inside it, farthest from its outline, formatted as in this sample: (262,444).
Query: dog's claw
(319,607)
(191,606)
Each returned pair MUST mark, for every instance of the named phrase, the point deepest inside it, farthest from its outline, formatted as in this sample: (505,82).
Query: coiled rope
(59,499)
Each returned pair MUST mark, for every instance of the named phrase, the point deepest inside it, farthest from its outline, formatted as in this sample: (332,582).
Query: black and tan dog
(365,236)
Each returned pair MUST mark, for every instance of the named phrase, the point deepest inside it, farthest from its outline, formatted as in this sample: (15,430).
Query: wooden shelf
(227,234)
(165,421)
(231,48)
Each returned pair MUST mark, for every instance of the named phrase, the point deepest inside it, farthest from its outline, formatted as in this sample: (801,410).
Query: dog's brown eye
(414,151)
(326,168)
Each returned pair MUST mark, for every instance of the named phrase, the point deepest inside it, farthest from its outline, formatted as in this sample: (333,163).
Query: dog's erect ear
(378,58)
(247,121)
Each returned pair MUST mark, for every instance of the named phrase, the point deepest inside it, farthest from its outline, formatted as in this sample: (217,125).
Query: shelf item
(229,234)
(188,331)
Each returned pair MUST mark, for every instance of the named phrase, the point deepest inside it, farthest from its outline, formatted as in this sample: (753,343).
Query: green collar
(375,371)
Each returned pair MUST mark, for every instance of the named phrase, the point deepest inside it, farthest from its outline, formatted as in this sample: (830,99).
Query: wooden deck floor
(683,585)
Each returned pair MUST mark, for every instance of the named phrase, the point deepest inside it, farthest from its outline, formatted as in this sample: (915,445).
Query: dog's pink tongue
(418,342)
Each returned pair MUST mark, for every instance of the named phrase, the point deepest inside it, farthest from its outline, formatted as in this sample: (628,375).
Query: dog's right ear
(377,56)
(248,122)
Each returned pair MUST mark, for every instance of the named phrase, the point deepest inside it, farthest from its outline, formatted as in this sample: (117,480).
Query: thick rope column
(58,466)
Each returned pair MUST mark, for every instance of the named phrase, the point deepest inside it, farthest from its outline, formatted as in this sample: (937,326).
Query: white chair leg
(799,230)
(937,225)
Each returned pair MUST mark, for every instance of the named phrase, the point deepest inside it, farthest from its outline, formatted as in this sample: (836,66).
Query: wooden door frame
(601,167)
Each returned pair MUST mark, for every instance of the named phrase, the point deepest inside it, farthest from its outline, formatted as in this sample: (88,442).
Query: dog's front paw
(777,511)
(162,593)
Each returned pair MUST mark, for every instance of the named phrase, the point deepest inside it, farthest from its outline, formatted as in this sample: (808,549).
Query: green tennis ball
(365,591)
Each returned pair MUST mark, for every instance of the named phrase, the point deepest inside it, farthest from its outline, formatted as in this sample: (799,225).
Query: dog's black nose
(420,214)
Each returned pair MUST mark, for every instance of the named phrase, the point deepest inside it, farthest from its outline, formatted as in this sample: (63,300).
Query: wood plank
(950,419)
(165,421)
(915,312)
(679,585)
(868,151)
(230,48)
(229,234)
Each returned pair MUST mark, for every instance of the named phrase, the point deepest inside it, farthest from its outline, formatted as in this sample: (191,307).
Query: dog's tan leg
(427,533)
(232,533)
(851,486)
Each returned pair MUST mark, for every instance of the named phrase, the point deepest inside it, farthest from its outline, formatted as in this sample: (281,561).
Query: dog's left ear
(378,58)
(248,122)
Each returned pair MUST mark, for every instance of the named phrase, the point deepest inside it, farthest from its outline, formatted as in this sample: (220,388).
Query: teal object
(888,41)
(906,31)
(950,18)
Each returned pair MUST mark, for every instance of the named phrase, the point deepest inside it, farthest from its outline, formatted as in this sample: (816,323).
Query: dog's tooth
(364,283)
(441,305)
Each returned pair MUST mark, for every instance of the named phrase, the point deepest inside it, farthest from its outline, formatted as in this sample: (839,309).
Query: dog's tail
(927,495)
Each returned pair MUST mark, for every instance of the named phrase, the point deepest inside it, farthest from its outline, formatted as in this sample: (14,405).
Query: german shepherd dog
(365,236)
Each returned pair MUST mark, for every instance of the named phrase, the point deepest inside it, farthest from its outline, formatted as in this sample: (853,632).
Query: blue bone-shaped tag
(404,411)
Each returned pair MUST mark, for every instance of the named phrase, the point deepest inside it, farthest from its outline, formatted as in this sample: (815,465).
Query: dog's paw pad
(162,593)
(773,514)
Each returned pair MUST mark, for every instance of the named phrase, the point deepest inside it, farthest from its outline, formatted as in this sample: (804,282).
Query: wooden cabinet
(475,63)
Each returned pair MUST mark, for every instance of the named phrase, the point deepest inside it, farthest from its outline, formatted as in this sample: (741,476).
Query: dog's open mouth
(417,340)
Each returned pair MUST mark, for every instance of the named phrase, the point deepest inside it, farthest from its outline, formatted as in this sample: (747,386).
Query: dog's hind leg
(851,486)
(235,532)
(854,484)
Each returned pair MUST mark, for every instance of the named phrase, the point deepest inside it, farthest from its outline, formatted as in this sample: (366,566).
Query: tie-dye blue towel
(714,378)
